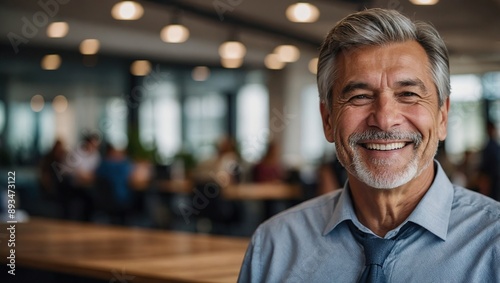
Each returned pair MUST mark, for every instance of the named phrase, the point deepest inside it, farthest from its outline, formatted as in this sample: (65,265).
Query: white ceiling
(471,29)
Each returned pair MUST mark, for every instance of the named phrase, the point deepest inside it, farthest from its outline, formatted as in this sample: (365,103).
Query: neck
(382,210)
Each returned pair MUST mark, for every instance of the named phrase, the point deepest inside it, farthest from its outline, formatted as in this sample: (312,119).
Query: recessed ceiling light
(273,62)
(140,68)
(127,10)
(57,29)
(287,53)
(51,62)
(89,46)
(232,50)
(37,103)
(424,2)
(313,65)
(60,103)
(231,63)
(200,73)
(174,33)
(302,12)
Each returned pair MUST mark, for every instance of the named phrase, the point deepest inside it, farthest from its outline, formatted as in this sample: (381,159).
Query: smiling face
(385,119)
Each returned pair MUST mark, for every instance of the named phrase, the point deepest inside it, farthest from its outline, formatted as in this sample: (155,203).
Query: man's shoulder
(311,214)
(467,202)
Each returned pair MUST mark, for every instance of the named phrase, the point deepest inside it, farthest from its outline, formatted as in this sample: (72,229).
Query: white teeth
(389,146)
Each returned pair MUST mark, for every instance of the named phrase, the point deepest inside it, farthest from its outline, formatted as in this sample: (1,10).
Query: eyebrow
(412,82)
(353,86)
(404,83)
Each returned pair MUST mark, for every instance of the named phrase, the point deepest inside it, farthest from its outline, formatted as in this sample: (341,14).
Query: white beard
(386,179)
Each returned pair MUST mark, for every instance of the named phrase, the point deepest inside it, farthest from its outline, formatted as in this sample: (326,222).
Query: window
(114,124)
(160,120)
(252,108)
(465,121)
(313,143)
(205,122)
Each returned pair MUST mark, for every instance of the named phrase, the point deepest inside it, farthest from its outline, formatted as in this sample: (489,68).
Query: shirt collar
(432,213)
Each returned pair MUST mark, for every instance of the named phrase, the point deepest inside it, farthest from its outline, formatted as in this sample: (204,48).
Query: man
(384,85)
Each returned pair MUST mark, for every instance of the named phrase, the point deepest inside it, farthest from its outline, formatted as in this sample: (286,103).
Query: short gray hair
(375,27)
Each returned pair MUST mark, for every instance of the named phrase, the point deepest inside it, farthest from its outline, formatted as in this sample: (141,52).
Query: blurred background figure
(465,174)
(269,168)
(50,177)
(85,159)
(113,194)
(331,175)
(489,169)
(81,163)
(223,168)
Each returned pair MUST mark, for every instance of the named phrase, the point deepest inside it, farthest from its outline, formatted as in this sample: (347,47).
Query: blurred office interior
(163,93)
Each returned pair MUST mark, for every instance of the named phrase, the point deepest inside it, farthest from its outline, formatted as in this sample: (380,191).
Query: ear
(443,119)
(326,116)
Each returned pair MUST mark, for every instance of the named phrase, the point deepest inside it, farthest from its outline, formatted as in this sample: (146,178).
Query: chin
(385,179)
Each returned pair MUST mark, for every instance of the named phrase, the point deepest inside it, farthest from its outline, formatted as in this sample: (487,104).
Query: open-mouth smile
(384,146)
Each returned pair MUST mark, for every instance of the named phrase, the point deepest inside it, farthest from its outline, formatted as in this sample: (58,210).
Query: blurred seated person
(224,167)
(331,176)
(84,160)
(269,168)
(113,176)
(77,202)
(489,169)
(50,177)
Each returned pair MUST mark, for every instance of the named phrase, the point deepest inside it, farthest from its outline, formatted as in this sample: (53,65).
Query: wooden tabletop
(110,252)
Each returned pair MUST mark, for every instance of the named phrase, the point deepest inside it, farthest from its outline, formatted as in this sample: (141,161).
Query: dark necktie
(376,251)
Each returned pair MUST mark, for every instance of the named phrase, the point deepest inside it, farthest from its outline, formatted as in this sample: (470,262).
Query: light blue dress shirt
(457,240)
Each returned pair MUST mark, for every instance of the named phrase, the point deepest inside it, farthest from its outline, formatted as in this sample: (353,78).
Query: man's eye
(408,94)
(359,97)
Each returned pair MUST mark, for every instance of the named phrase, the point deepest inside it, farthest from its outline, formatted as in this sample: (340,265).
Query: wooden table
(108,252)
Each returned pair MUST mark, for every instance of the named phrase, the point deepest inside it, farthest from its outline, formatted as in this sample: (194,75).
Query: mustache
(373,134)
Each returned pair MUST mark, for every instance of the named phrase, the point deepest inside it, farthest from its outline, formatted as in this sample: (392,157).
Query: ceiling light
(200,73)
(313,65)
(37,103)
(127,10)
(57,29)
(60,103)
(231,63)
(89,46)
(302,13)
(140,68)
(174,33)
(273,62)
(232,50)
(287,53)
(51,62)
(424,2)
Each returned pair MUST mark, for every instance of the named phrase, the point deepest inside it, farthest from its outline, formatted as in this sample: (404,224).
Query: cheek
(346,122)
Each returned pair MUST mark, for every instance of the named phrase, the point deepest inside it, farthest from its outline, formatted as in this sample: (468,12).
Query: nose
(385,113)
